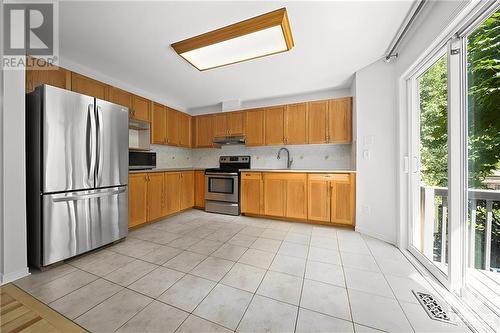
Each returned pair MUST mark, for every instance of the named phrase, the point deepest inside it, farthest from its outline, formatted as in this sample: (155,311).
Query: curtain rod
(403,30)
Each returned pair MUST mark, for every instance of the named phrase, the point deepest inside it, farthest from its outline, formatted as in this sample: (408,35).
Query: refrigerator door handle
(100,136)
(90,195)
(91,141)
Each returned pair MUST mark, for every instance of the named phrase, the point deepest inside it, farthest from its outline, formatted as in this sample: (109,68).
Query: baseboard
(9,277)
(375,235)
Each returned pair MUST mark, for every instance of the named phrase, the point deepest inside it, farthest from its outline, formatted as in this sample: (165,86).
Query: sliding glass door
(483,158)
(430,164)
(454,164)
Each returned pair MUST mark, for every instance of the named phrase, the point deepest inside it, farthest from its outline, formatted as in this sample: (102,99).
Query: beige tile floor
(201,272)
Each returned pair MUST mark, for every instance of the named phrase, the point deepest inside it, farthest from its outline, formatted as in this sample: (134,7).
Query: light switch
(366,154)
(368,140)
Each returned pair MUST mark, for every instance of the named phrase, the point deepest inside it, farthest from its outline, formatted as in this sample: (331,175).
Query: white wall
(375,104)
(13,186)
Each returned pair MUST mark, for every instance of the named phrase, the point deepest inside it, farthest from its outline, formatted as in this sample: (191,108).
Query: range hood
(229,140)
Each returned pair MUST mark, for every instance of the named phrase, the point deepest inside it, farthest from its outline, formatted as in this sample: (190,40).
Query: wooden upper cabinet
(251,193)
(204,131)
(186,190)
(342,199)
(155,195)
(296,195)
(317,122)
(87,86)
(274,125)
(141,108)
(199,188)
(36,75)
(255,127)
(220,125)
(235,122)
(184,129)
(137,199)
(296,124)
(318,194)
(119,96)
(340,120)
(172,127)
(159,124)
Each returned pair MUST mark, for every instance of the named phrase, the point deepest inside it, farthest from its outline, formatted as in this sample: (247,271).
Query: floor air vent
(432,307)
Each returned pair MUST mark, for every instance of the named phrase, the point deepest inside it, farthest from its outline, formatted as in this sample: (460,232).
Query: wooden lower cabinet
(153,195)
(321,198)
(199,188)
(172,197)
(285,195)
(187,189)
(137,199)
(332,198)
(251,193)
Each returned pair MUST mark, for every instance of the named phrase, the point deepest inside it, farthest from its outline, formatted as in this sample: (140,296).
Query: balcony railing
(433,226)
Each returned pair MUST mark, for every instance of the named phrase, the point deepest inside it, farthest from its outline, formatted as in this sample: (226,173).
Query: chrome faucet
(289,160)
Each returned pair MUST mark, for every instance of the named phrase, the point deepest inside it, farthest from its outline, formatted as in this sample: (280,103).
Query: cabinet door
(296,196)
(159,124)
(274,127)
(251,193)
(199,188)
(172,192)
(340,120)
(187,190)
(342,199)
(235,123)
(87,86)
(137,199)
(155,195)
(274,194)
(141,108)
(220,125)
(36,75)
(184,129)
(204,131)
(318,197)
(296,124)
(317,122)
(120,97)
(255,127)
(172,127)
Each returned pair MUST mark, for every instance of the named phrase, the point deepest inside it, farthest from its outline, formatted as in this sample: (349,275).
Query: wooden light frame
(272,19)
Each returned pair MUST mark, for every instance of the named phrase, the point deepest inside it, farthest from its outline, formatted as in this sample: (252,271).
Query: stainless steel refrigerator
(77,174)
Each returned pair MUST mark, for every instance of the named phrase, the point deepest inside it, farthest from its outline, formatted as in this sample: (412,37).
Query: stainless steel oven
(222,185)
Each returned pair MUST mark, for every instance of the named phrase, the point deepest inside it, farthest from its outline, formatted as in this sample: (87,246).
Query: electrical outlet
(366,154)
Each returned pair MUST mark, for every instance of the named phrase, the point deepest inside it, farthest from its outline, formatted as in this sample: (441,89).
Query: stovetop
(231,164)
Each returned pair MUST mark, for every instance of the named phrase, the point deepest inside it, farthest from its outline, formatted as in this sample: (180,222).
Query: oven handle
(230,174)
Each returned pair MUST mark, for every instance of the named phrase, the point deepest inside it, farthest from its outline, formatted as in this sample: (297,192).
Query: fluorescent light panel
(256,37)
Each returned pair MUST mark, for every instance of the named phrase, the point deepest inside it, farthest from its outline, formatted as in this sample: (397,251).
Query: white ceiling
(130,42)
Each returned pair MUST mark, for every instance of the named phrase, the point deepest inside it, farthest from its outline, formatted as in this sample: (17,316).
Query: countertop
(247,170)
(299,170)
(165,170)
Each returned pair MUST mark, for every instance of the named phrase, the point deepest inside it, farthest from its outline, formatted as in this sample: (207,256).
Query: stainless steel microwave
(141,160)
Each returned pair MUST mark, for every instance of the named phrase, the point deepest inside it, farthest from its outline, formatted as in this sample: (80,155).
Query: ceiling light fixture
(257,37)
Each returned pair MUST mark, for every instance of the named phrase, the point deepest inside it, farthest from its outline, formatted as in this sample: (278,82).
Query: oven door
(222,187)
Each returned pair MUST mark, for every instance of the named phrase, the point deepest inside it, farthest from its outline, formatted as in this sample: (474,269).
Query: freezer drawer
(77,222)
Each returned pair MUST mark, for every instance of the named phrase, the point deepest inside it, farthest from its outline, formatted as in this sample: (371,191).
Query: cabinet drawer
(330,176)
(251,175)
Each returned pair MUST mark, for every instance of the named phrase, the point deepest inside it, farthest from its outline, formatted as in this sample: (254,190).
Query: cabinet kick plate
(432,307)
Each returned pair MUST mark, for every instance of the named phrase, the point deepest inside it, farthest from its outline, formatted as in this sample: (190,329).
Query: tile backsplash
(172,157)
(326,156)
